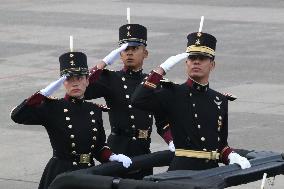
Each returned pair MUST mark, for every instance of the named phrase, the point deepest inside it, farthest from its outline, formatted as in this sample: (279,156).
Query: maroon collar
(199,87)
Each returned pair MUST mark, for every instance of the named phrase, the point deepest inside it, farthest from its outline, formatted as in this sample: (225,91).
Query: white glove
(172,146)
(126,161)
(237,159)
(171,61)
(113,55)
(52,87)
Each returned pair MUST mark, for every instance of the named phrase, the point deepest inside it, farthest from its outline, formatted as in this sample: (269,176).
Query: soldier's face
(199,68)
(75,86)
(133,56)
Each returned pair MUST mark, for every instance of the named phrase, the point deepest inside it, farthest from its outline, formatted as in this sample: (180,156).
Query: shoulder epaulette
(166,82)
(52,98)
(229,96)
(108,70)
(103,107)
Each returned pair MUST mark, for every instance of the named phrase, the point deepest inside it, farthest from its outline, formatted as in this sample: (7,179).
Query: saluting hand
(52,87)
(171,61)
(113,55)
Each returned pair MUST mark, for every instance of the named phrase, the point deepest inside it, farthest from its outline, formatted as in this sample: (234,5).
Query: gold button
(193,105)
(65,110)
(190,94)
(150,116)
(123,78)
(218,138)
(133,138)
(70,126)
(203,138)
(126,96)
(124,86)
(220,117)
(133,126)
(129,106)
(72,136)
(73,152)
(73,145)
(195,115)
(94,121)
(67,118)
(132,116)
(199,126)
(89,164)
(74,163)
(91,112)
(95,129)
(92,146)
(94,138)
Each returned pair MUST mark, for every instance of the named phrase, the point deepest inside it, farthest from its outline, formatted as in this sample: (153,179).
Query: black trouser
(186,163)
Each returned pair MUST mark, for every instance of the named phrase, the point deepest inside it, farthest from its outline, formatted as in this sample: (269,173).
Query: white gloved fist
(113,55)
(171,61)
(235,158)
(52,87)
(172,146)
(126,161)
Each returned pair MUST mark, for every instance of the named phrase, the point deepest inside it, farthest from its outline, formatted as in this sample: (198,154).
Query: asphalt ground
(249,57)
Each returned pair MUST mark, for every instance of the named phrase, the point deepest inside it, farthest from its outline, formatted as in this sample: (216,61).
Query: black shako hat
(201,44)
(133,34)
(73,64)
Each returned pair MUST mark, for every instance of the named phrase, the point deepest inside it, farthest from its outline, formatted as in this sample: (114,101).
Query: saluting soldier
(198,115)
(130,127)
(74,126)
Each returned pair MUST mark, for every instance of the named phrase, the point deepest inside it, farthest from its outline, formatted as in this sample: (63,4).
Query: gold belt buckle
(85,158)
(214,155)
(142,133)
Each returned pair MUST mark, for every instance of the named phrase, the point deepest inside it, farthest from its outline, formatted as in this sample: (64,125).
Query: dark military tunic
(75,129)
(197,114)
(130,127)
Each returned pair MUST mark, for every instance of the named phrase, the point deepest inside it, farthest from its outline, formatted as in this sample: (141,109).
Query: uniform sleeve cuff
(105,154)
(95,73)
(167,136)
(224,154)
(152,80)
(35,100)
